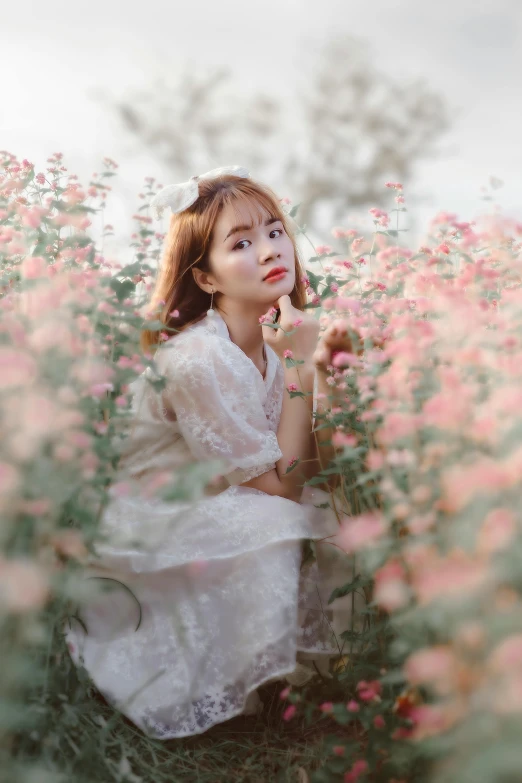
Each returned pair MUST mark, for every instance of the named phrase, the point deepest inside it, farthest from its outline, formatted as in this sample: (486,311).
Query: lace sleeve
(212,389)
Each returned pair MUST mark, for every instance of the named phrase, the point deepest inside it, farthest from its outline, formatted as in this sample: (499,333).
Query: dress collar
(217,325)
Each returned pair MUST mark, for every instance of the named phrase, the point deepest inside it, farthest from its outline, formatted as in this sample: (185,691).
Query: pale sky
(60,56)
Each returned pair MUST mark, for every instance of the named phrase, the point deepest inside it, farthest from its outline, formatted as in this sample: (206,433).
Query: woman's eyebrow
(236,229)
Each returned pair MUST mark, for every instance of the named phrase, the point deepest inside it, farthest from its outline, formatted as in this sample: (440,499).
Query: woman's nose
(268,251)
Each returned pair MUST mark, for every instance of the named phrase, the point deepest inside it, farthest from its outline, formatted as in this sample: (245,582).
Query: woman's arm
(321,449)
(336,338)
(293,436)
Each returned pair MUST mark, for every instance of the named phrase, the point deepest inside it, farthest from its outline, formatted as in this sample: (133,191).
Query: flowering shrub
(425,408)
(427,425)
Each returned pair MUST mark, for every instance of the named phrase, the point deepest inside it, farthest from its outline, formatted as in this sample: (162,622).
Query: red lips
(277,270)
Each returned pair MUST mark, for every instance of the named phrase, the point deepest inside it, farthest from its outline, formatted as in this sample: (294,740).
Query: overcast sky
(59,55)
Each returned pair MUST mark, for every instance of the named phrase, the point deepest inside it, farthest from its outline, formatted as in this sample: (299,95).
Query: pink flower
(435,665)
(327,706)
(338,750)
(23,585)
(358,769)
(16,368)
(344,359)
(285,693)
(323,249)
(359,532)
(292,387)
(369,691)
(443,248)
(340,439)
(345,303)
(289,713)
(375,459)
(379,722)
(352,706)
(380,217)
(297,322)
(174,314)
(453,576)
(497,531)
(432,719)
(288,354)
(340,233)
(391,591)
(33,267)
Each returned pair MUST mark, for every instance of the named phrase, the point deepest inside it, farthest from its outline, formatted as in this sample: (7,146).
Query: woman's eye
(236,247)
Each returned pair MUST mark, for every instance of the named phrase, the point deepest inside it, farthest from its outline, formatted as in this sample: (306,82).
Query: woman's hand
(303,342)
(335,339)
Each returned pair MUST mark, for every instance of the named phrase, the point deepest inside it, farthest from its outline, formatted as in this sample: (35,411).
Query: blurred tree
(359,129)
(351,129)
(199,123)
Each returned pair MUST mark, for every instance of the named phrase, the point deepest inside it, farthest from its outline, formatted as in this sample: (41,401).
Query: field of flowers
(427,416)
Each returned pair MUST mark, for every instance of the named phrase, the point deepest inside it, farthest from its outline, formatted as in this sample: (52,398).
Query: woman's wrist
(302,373)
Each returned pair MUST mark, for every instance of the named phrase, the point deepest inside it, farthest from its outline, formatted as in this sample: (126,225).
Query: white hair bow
(179,197)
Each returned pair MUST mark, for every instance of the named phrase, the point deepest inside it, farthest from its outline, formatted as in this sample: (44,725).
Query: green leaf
(296,463)
(314,280)
(154,326)
(130,270)
(349,587)
(77,240)
(122,289)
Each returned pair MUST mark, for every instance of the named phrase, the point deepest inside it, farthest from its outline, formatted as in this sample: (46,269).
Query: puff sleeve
(214,393)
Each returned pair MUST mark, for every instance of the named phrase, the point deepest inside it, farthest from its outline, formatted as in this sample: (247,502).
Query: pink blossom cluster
(62,335)
(435,399)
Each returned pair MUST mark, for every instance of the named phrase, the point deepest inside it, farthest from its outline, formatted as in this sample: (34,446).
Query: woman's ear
(198,276)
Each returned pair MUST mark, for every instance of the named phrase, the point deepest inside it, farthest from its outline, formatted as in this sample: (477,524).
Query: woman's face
(241,257)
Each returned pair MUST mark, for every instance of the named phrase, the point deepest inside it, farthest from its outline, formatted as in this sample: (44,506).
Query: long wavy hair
(187,245)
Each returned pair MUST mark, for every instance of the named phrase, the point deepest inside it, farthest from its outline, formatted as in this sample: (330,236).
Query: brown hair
(187,244)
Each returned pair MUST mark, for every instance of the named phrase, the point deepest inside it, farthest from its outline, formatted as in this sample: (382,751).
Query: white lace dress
(207,599)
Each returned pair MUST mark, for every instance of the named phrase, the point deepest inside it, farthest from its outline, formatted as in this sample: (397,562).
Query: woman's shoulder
(199,345)
(196,337)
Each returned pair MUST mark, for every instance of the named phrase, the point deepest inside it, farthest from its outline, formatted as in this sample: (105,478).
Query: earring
(211,312)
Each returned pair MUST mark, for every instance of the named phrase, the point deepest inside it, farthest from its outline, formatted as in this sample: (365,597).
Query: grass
(76,737)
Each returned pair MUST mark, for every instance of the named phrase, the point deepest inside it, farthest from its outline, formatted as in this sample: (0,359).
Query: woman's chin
(284,290)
